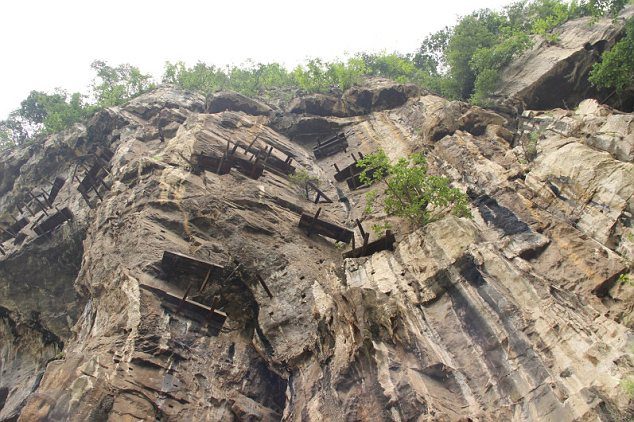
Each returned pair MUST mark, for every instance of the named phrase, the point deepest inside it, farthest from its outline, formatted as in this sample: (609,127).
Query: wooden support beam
(44,196)
(214,319)
(7,232)
(216,165)
(39,203)
(385,243)
(53,222)
(320,194)
(174,262)
(15,228)
(331,146)
(180,305)
(264,286)
(360,226)
(354,182)
(205,281)
(312,224)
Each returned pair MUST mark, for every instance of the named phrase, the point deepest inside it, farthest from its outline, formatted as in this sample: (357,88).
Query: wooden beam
(54,221)
(385,243)
(331,146)
(312,224)
(173,262)
(189,308)
(319,193)
(264,286)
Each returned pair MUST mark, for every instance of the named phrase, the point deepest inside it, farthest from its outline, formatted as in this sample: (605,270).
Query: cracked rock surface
(517,314)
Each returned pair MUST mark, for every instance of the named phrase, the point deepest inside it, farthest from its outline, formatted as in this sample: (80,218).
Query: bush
(411,192)
(616,68)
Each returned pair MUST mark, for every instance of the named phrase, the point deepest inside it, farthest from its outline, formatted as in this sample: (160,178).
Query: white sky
(51,43)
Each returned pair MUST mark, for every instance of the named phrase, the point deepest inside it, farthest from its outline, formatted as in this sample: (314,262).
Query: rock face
(556,75)
(515,314)
(374,95)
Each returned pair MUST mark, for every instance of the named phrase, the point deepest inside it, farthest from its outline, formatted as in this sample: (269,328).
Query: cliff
(521,313)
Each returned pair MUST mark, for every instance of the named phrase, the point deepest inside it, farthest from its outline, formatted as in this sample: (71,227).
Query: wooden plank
(54,221)
(348,171)
(57,186)
(252,169)
(17,226)
(320,194)
(264,286)
(313,225)
(331,146)
(189,308)
(173,262)
(216,165)
(273,164)
(385,243)
(355,182)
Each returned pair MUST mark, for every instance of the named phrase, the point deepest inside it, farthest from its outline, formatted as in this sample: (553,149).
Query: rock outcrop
(520,313)
(551,75)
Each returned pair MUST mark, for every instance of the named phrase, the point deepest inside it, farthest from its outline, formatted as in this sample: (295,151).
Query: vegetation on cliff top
(459,62)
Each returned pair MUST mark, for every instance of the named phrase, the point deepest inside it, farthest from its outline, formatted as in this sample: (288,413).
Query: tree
(115,85)
(616,68)
(410,191)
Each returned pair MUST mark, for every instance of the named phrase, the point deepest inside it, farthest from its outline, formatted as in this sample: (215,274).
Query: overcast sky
(48,44)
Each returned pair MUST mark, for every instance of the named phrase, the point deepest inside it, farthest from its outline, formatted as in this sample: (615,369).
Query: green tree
(115,85)
(616,69)
(411,192)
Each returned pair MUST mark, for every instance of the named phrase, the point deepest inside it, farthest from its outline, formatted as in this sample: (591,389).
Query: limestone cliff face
(516,314)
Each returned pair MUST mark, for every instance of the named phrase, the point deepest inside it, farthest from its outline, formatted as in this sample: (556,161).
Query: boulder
(379,94)
(233,101)
(556,75)
(374,94)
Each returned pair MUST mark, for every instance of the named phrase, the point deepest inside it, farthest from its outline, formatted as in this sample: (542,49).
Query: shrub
(616,69)
(301,179)
(411,192)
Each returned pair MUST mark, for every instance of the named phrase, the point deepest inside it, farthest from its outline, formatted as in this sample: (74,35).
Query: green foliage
(487,62)
(410,191)
(42,113)
(380,229)
(301,179)
(624,279)
(116,85)
(628,386)
(616,69)
(465,61)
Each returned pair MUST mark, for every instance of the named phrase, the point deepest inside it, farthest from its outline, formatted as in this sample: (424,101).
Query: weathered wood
(320,194)
(15,228)
(264,286)
(19,238)
(92,179)
(348,171)
(190,309)
(39,203)
(385,243)
(331,146)
(174,262)
(54,221)
(252,169)
(218,165)
(355,182)
(313,225)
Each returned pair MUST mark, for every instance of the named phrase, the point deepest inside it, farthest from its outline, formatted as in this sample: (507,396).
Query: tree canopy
(459,62)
